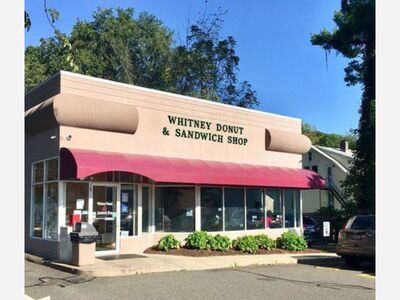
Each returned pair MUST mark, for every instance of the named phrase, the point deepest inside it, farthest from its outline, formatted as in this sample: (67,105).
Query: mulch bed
(201,253)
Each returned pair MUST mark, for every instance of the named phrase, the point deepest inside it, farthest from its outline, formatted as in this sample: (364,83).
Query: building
(139,163)
(333,165)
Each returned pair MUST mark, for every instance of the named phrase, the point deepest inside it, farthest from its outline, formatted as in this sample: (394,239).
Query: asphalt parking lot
(311,279)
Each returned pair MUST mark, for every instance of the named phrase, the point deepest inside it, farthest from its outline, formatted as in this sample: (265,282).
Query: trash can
(83,240)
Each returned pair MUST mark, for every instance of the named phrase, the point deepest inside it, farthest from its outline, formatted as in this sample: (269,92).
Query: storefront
(139,163)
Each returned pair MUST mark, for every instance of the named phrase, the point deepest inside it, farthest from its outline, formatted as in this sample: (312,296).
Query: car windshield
(364,222)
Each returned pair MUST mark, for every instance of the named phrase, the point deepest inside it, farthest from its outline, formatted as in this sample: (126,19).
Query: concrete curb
(61,267)
(168,263)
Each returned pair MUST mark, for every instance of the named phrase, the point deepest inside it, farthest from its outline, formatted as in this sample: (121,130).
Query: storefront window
(234,209)
(211,209)
(174,209)
(145,209)
(298,216)
(37,211)
(45,199)
(52,170)
(38,172)
(274,217)
(255,208)
(51,212)
(128,225)
(289,196)
(76,204)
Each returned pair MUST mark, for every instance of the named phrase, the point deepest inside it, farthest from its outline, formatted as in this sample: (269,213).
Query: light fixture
(69,137)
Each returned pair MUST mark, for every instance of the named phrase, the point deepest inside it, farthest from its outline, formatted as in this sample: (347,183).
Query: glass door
(104,216)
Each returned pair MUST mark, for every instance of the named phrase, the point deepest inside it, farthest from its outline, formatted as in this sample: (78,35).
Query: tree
(354,38)
(327,139)
(117,46)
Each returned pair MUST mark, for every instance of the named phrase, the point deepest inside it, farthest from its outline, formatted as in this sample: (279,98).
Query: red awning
(83,163)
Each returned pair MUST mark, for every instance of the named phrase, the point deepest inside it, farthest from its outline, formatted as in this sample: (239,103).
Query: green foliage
(200,240)
(265,242)
(220,243)
(140,50)
(332,140)
(354,38)
(28,23)
(168,242)
(246,243)
(290,240)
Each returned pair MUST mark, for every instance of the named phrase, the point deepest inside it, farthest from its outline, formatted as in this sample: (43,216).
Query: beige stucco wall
(154,109)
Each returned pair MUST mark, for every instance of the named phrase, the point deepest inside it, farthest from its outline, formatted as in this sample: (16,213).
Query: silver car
(356,241)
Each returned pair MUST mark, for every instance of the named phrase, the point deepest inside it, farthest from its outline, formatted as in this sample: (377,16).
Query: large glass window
(128,225)
(37,211)
(44,218)
(298,216)
(38,172)
(174,209)
(289,196)
(234,209)
(76,204)
(51,212)
(211,209)
(255,208)
(274,217)
(145,209)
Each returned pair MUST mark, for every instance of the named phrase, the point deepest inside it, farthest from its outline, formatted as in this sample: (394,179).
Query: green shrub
(200,240)
(220,243)
(265,242)
(168,242)
(246,243)
(290,240)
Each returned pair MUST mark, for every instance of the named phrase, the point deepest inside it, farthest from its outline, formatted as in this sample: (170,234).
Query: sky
(289,74)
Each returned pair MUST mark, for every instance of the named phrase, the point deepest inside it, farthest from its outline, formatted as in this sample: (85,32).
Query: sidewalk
(155,263)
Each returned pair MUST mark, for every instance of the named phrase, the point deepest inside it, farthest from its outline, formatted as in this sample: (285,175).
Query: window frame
(44,183)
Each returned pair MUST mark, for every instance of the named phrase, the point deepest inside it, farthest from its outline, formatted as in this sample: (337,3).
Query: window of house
(234,209)
(274,216)
(255,208)
(315,168)
(44,210)
(211,209)
(174,209)
(128,210)
(309,156)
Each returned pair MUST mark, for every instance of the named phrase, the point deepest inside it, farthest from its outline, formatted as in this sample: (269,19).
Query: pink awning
(79,164)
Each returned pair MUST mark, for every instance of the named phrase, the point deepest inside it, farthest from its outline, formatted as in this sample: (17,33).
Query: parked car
(311,230)
(356,242)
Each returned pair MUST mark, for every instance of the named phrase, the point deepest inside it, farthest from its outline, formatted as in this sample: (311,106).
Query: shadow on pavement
(337,263)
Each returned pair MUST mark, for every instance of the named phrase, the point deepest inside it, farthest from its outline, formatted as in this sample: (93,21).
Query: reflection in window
(145,209)
(76,202)
(38,172)
(128,210)
(274,217)
(174,209)
(234,209)
(51,213)
(211,209)
(52,169)
(298,217)
(289,196)
(255,208)
(37,211)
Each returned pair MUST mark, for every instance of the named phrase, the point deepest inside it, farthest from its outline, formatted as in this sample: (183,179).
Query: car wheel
(351,261)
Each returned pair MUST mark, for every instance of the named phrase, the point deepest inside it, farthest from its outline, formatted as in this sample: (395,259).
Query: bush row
(202,240)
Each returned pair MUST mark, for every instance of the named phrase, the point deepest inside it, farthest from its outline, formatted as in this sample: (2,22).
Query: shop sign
(205,130)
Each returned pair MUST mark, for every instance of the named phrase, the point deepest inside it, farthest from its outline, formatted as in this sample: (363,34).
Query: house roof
(336,155)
